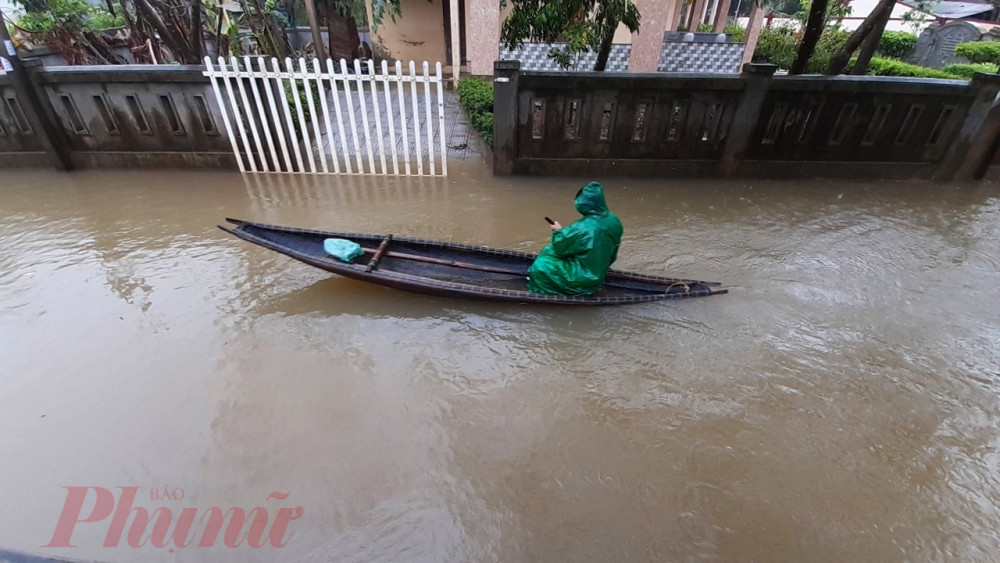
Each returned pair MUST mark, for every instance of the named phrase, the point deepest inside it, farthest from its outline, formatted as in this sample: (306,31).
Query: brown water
(840,404)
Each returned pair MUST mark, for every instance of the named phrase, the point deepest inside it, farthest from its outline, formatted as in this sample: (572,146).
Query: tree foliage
(779,46)
(584,25)
(72,27)
(815,23)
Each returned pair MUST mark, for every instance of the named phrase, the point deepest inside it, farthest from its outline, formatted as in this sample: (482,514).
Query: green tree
(866,36)
(814,29)
(74,28)
(583,24)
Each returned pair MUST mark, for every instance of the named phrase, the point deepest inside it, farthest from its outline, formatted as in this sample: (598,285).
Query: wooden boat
(455,270)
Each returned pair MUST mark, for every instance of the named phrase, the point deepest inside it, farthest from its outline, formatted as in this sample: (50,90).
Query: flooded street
(841,403)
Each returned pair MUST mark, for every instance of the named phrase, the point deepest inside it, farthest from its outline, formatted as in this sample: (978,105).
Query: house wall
(483,19)
(418,34)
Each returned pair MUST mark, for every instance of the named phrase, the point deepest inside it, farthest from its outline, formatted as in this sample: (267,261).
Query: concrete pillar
(722,16)
(698,14)
(753,33)
(675,17)
(456,43)
(482,38)
(648,43)
(35,104)
(746,116)
(505,80)
(975,140)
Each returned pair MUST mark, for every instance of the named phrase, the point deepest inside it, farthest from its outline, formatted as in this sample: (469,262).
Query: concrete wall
(417,35)
(19,142)
(123,116)
(750,124)
(535,56)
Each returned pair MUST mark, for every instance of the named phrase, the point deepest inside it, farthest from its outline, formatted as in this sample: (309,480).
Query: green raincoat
(579,256)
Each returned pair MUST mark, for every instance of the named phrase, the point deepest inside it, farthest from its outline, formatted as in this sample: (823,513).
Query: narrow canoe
(455,270)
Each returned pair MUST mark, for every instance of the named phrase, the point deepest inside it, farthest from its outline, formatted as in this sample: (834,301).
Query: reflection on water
(839,404)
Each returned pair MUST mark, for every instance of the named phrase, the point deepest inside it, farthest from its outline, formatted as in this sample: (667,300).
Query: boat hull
(456,270)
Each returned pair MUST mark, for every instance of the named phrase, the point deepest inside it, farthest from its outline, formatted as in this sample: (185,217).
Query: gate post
(758,79)
(505,80)
(36,110)
(968,156)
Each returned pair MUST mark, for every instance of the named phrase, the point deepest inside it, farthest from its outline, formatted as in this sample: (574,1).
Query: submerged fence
(381,123)
(252,114)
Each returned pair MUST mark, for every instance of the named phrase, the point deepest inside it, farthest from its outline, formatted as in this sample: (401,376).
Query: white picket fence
(375,121)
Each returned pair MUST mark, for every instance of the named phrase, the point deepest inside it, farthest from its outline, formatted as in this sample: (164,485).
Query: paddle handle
(382,249)
(441,262)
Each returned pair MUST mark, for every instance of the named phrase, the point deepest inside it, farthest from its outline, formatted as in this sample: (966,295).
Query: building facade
(466,33)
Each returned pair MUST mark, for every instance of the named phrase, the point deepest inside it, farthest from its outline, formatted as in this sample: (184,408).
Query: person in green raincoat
(577,259)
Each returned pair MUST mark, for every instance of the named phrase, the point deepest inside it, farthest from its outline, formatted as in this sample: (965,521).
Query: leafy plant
(780,46)
(300,91)
(69,16)
(815,25)
(705,28)
(980,51)
(834,11)
(737,33)
(880,66)
(776,46)
(71,27)
(896,44)
(970,70)
(917,18)
(476,96)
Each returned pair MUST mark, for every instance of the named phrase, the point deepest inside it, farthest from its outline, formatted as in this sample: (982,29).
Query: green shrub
(970,70)
(880,66)
(736,33)
(476,96)
(777,47)
(705,28)
(980,51)
(896,44)
(830,43)
(303,102)
(780,46)
(69,16)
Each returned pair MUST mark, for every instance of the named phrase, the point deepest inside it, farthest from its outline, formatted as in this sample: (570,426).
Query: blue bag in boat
(342,249)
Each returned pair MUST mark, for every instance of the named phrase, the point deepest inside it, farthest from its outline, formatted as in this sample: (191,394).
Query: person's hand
(555,226)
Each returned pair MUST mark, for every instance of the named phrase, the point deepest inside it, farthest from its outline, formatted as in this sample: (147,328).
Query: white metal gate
(381,122)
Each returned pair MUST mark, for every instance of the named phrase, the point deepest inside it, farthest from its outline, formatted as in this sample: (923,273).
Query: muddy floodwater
(841,403)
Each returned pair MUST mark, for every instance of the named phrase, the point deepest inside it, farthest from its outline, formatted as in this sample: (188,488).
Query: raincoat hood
(590,200)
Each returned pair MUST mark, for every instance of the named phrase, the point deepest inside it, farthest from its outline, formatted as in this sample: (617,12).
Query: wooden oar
(382,248)
(441,262)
